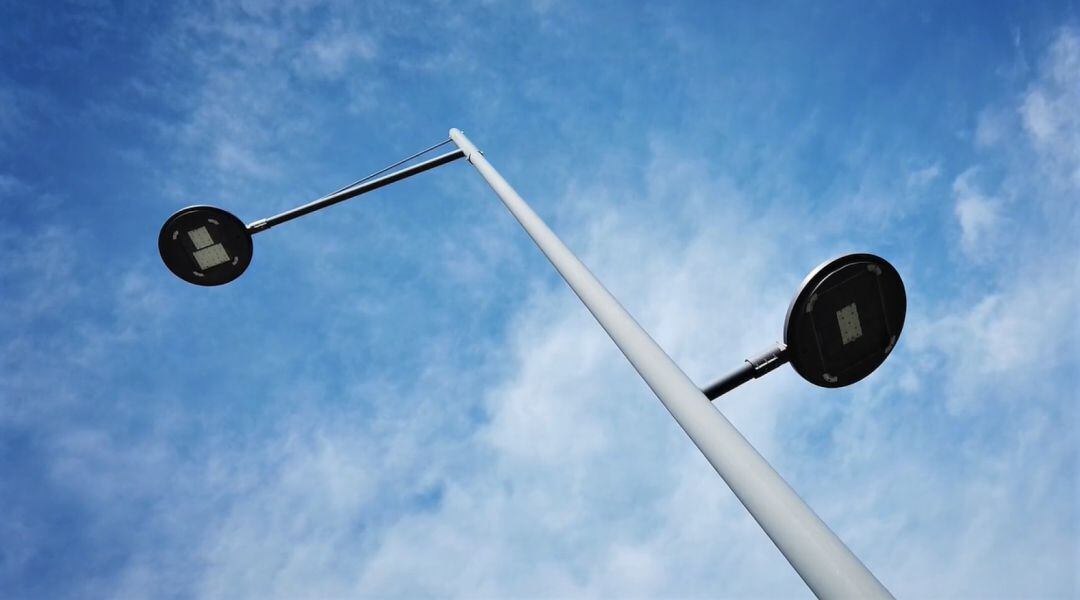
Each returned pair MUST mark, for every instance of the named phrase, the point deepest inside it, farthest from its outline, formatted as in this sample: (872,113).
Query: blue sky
(400,398)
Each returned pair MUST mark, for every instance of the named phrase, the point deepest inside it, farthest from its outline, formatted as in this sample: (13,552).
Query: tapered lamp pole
(827,566)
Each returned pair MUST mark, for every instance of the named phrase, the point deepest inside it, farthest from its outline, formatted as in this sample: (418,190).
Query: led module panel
(848,319)
(211,256)
(200,237)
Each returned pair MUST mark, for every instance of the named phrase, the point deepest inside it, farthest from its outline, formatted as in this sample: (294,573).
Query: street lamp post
(827,566)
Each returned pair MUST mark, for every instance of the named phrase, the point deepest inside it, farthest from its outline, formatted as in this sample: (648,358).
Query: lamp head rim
(845,319)
(205,245)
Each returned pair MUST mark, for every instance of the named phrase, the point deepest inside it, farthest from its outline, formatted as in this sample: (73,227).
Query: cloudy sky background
(400,398)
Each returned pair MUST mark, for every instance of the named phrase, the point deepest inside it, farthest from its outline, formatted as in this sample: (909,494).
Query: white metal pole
(827,566)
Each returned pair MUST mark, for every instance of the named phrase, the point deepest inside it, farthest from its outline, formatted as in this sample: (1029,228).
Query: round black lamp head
(205,245)
(845,319)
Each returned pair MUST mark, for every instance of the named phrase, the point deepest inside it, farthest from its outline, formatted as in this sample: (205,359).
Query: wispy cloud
(925,175)
(333,51)
(1050,110)
(979,217)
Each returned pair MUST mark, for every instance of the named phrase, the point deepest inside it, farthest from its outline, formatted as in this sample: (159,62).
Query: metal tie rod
(353,191)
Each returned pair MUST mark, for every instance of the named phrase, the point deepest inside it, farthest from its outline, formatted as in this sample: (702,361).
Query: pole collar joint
(768,360)
(467,147)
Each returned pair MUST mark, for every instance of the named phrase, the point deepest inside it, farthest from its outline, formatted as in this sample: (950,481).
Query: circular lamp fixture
(845,319)
(205,245)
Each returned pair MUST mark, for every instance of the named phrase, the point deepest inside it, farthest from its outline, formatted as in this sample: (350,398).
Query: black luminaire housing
(205,245)
(845,320)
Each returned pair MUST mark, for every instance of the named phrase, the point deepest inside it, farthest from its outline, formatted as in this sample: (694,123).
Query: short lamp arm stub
(752,368)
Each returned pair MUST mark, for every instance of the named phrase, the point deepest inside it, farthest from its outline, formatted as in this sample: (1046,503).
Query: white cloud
(11,185)
(1050,109)
(1005,335)
(249,100)
(924,176)
(41,264)
(12,113)
(335,51)
(990,128)
(979,216)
